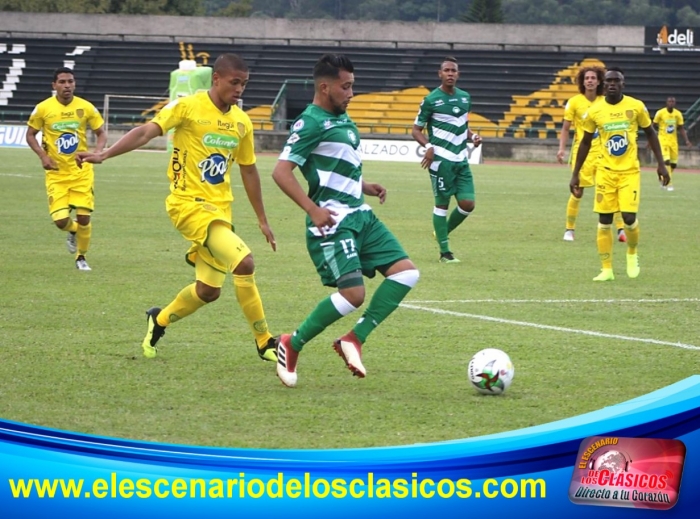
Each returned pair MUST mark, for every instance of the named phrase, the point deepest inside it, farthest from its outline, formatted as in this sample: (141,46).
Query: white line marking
(548,327)
(560,301)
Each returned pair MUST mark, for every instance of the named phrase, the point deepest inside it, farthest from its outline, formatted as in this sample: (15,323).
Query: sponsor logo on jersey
(216,140)
(616,126)
(203,122)
(67,143)
(629,114)
(65,125)
(65,115)
(213,168)
(670,128)
(327,124)
(80,112)
(225,125)
(455,110)
(617,145)
(293,138)
(298,125)
(352,137)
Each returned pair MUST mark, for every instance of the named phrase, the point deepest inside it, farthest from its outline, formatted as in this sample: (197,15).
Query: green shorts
(361,242)
(452,179)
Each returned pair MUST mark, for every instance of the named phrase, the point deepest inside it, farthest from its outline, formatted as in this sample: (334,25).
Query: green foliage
(70,354)
(484,11)
(175,7)
(238,9)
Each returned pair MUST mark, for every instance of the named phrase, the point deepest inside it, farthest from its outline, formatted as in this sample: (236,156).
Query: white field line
(548,327)
(557,301)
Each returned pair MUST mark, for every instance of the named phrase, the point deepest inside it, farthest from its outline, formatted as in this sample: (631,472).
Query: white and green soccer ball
(491,371)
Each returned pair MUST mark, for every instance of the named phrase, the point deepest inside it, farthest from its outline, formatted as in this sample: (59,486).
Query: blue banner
(524,473)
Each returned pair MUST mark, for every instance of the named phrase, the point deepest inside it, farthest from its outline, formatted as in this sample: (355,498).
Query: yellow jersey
(617,126)
(206,143)
(64,133)
(575,109)
(668,123)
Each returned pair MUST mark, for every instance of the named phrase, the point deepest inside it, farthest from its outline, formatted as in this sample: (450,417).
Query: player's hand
(560,156)
(89,157)
(269,235)
(476,140)
(48,163)
(574,186)
(664,177)
(428,158)
(374,190)
(689,144)
(322,218)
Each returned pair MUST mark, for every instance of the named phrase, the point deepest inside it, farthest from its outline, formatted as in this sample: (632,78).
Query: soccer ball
(491,371)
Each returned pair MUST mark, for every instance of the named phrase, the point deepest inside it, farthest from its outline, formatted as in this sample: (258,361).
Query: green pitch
(70,355)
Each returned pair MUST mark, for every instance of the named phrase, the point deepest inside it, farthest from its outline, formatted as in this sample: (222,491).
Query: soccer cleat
(287,360)
(605,275)
(621,236)
(71,243)
(81,264)
(350,350)
(153,334)
(269,351)
(448,257)
(669,188)
(569,235)
(632,265)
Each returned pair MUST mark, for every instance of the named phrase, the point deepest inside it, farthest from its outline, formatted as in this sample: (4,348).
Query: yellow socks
(572,208)
(185,303)
(619,222)
(251,304)
(605,245)
(632,232)
(82,235)
(71,227)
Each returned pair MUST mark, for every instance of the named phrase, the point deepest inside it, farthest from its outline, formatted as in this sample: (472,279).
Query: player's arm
(563,139)
(283,175)
(583,149)
(653,141)
(101,139)
(377,190)
(46,161)
(130,141)
(684,134)
(418,135)
(251,183)
(474,137)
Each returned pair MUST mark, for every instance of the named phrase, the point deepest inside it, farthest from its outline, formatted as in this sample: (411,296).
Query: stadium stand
(514,93)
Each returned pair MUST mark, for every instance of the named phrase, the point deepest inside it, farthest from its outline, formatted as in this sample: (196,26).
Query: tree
(484,11)
(238,9)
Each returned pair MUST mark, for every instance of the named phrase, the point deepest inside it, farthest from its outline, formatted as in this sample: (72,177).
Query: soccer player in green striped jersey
(344,238)
(445,113)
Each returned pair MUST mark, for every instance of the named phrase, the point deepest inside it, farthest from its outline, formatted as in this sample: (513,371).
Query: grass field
(70,354)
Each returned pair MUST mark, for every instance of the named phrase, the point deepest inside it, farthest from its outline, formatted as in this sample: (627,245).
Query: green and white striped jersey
(447,118)
(325,146)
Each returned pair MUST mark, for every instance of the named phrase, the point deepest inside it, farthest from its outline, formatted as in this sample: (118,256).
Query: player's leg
(338,264)
(59,210)
(605,204)
(666,154)
(205,289)
(441,179)
(231,253)
(464,193)
(586,179)
(672,163)
(380,251)
(629,196)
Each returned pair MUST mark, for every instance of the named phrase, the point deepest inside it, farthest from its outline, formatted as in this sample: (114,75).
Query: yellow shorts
(617,191)
(65,195)
(586,177)
(192,219)
(670,151)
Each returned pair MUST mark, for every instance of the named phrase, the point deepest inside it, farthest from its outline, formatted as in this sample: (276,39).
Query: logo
(216,140)
(675,38)
(620,125)
(327,124)
(203,122)
(352,137)
(464,100)
(80,112)
(213,168)
(628,472)
(65,125)
(298,125)
(670,128)
(629,114)
(67,143)
(293,138)
(225,125)
(455,110)
(241,129)
(617,145)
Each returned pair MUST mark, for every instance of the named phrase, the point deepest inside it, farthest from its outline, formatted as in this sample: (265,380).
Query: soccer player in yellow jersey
(63,120)
(211,133)
(669,123)
(590,87)
(617,118)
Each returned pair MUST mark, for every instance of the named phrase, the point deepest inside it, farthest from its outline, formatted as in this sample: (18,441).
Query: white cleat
(351,353)
(287,361)
(81,264)
(71,243)
(569,235)
(669,188)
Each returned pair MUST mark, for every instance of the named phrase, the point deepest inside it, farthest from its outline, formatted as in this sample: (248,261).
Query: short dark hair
(615,69)
(62,70)
(330,65)
(227,62)
(451,59)
(600,74)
